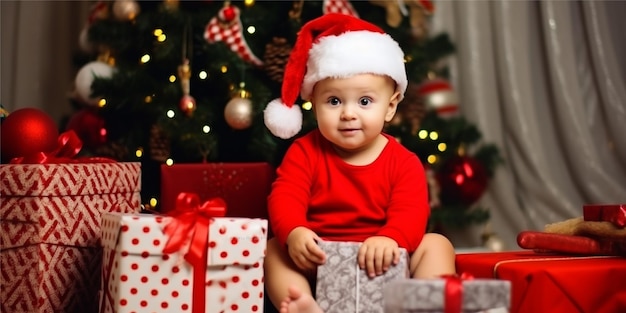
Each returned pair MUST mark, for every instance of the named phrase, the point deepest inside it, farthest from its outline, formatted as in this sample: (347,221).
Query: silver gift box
(342,287)
(428,296)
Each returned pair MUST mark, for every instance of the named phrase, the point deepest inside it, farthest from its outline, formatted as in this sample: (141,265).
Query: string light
(147,99)
(169,162)
(431,159)
(248,3)
(442,147)
(139,152)
(224,69)
(172,78)
(251,29)
(433,135)
(422,134)
(170,113)
(153,202)
(145,58)
(307,105)
(203,75)
(206,129)
(102,102)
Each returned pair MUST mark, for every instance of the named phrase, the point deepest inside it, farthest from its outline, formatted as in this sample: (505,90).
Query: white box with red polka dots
(137,276)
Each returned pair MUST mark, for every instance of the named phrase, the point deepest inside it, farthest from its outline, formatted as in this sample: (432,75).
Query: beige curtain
(38,41)
(546,82)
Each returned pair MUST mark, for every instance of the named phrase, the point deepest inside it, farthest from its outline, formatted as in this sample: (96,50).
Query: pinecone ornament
(275,58)
(412,109)
(112,149)
(159,144)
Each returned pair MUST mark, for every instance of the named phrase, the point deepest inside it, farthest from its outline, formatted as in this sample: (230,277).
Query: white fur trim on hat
(282,121)
(352,53)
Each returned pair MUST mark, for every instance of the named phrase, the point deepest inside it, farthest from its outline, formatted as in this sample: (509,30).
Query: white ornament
(85,77)
(125,10)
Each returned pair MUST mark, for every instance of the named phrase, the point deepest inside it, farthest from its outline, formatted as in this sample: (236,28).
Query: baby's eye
(365,101)
(334,101)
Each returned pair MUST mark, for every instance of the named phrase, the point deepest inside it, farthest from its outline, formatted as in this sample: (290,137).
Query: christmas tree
(175,81)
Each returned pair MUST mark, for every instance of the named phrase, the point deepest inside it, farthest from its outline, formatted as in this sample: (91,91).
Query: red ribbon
(454,292)
(188,231)
(68,146)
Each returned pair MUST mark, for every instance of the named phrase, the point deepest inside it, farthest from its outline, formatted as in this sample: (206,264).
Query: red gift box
(614,213)
(244,186)
(554,283)
(50,254)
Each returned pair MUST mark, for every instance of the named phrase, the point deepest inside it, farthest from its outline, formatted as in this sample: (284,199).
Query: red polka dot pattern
(140,278)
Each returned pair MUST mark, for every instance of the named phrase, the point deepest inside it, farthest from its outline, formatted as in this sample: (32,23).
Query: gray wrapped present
(342,287)
(429,296)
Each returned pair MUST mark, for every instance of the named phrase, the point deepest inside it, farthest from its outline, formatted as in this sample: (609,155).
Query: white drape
(546,82)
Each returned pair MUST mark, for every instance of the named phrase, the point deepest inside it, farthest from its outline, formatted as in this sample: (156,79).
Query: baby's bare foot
(298,302)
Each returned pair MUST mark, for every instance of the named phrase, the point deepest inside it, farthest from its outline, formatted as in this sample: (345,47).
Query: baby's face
(351,112)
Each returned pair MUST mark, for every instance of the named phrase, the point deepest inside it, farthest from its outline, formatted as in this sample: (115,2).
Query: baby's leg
(286,286)
(434,257)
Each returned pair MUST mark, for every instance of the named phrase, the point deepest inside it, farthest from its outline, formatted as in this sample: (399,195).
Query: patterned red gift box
(50,254)
(554,283)
(139,277)
(244,186)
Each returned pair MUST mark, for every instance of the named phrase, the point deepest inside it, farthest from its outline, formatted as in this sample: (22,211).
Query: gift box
(342,287)
(138,276)
(244,186)
(552,282)
(50,214)
(614,213)
(451,294)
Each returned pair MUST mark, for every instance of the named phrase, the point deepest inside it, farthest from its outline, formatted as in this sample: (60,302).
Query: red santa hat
(333,45)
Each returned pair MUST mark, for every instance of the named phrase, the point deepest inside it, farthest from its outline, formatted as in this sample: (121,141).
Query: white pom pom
(283,121)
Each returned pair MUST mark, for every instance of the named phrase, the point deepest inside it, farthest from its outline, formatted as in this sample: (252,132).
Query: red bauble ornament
(228,14)
(187,104)
(462,180)
(89,127)
(27,131)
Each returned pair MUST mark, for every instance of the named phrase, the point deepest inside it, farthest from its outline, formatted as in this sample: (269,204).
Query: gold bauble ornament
(239,111)
(126,10)
(493,243)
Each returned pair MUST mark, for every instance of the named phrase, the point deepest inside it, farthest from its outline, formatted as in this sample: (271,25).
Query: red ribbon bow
(188,231)
(454,292)
(68,146)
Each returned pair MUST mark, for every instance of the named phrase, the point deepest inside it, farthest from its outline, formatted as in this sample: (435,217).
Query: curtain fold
(541,80)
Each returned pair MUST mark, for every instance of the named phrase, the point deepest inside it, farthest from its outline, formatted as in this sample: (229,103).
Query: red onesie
(314,188)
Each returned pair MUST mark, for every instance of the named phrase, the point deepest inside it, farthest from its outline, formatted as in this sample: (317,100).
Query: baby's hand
(303,249)
(377,253)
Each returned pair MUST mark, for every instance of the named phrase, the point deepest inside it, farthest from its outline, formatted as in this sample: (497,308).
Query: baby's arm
(303,249)
(377,254)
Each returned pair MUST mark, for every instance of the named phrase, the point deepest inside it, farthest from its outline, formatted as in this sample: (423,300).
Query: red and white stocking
(226,27)
(339,6)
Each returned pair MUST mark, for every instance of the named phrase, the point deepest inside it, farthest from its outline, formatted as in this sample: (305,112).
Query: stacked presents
(343,287)
(50,253)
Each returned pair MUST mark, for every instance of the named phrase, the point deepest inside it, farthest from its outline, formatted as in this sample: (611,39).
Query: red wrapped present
(554,283)
(214,264)
(50,254)
(614,213)
(244,186)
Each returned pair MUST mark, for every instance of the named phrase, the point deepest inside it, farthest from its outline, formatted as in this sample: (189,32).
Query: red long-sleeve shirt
(314,188)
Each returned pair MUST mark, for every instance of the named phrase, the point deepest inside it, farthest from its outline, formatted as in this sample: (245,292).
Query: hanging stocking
(226,27)
(339,6)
